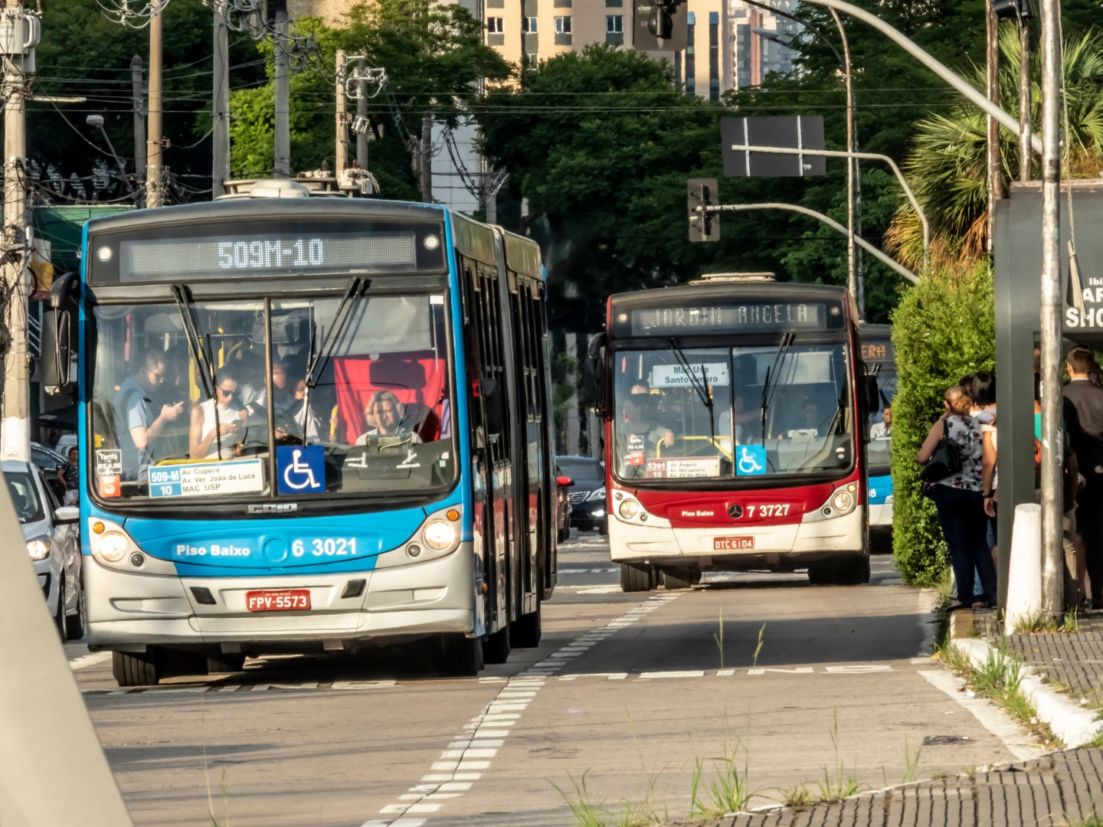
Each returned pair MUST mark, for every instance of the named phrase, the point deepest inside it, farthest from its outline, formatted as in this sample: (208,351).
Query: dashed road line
(472,751)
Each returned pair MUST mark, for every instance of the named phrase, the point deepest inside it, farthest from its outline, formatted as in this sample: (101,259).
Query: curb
(1070,722)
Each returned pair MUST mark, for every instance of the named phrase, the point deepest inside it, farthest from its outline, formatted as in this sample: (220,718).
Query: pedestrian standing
(1087,398)
(959,501)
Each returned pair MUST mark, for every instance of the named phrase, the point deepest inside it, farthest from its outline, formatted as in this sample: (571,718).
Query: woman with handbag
(951,460)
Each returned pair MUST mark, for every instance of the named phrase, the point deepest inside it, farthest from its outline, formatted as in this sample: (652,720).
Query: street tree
(947,162)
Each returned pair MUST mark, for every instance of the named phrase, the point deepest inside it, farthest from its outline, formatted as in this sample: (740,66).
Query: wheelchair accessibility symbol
(301,469)
(750,460)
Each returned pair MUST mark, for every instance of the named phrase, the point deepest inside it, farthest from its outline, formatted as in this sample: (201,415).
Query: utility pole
(425,172)
(220,103)
(853,283)
(1025,126)
(15,426)
(995,176)
(137,90)
(362,115)
(282,166)
(341,158)
(154,146)
(1053,563)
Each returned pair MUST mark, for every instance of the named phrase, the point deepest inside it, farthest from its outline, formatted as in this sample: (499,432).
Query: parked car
(562,505)
(587,492)
(51,537)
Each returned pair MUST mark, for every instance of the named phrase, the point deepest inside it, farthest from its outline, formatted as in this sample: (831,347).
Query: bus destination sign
(878,351)
(746,317)
(264,249)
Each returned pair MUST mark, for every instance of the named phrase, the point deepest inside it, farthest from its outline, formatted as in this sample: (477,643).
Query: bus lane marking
(472,750)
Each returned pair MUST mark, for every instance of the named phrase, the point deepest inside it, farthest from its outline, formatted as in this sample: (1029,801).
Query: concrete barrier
(1024,571)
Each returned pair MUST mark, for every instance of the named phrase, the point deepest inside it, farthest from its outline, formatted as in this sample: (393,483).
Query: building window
(495,25)
(614,23)
(533,59)
(614,4)
(563,24)
(562,4)
(529,25)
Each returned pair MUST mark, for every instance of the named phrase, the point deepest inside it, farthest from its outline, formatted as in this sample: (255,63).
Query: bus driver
(385,416)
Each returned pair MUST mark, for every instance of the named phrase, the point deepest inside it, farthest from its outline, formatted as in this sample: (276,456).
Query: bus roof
(697,292)
(261,208)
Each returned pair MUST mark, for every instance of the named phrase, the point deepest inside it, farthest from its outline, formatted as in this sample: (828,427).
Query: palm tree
(947,165)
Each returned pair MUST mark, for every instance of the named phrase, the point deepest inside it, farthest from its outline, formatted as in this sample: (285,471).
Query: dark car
(587,492)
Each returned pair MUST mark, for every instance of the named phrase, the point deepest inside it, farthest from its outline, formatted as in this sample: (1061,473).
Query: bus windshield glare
(731,412)
(257,400)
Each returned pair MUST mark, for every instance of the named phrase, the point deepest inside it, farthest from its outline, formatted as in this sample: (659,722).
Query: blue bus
(880,361)
(308,424)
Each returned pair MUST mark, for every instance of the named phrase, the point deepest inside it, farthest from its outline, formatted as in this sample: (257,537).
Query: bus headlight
(628,509)
(843,500)
(111,546)
(439,535)
(39,548)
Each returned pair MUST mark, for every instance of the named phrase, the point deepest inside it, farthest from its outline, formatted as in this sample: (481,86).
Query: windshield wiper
(357,290)
(184,305)
(768,387)
(700,385)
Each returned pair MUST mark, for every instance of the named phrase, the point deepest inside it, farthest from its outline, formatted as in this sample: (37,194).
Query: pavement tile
(1061,788)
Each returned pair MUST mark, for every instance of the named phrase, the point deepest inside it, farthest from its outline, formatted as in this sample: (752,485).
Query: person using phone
(218,424)
(140,423)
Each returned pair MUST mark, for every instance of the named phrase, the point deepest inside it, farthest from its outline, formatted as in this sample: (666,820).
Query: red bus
(734,418)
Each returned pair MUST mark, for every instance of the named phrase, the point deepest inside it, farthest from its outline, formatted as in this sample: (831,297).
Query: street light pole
(1051,397)
(853,279)
(96,122)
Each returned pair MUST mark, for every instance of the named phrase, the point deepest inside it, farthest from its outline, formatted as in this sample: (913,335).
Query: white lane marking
(479,740)
(91,659)
(991,717)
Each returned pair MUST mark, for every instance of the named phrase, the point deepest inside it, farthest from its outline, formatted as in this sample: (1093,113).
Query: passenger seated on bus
(882,429)
(298,423)
(386,418)
(747,422)
(218,424)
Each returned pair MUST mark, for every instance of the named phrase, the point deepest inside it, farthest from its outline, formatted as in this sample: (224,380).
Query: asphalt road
(764,679)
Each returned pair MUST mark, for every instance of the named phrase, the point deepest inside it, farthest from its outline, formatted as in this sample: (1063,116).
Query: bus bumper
(733,546)
(129,611)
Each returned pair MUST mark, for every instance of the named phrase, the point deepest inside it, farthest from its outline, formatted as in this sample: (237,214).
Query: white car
(52,539)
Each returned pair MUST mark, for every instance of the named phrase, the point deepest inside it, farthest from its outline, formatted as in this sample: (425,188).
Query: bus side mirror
(594,393)
(58,338)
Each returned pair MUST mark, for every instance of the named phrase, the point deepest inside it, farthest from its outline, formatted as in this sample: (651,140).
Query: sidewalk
(1063,788)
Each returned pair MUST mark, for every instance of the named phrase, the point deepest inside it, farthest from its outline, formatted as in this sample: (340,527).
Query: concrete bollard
(1024,571)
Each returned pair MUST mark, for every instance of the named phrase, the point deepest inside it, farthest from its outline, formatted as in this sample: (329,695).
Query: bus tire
(852,571)
(136,668)
(637,578)
(460,656)
(526,632)
(496,646)
(218,662)
(821,572)
(681,577)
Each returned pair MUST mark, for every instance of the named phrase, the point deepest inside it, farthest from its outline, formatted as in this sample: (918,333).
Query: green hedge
(943,329)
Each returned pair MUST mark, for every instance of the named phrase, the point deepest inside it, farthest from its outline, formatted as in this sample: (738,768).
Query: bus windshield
(277,398)
(879,451)
(726,412)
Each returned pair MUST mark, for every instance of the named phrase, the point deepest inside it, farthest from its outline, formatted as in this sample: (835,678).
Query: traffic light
(660,22)
(702,192)
(1013,9)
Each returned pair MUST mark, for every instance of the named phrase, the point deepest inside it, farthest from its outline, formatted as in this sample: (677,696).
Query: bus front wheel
(637,578)
(681,578)
(136,668)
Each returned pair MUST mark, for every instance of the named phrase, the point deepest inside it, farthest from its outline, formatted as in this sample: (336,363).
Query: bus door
(491,455)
